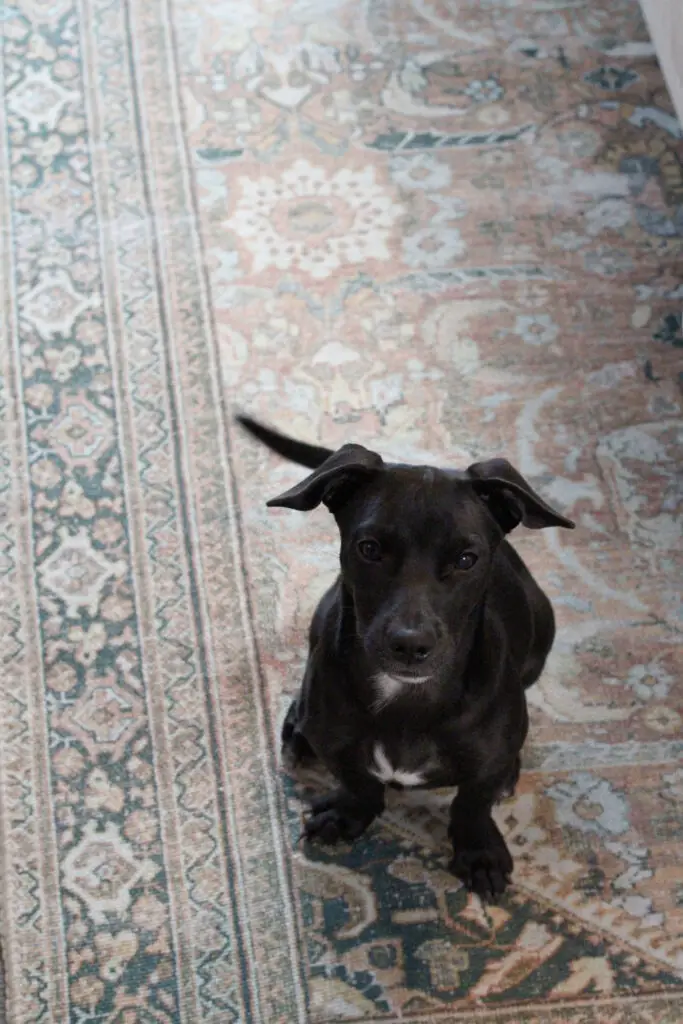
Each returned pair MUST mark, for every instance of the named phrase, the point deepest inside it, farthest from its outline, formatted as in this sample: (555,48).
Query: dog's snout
(412,645)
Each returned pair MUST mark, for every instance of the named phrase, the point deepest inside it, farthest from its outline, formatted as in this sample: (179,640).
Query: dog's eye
(370,550)
(462,563)
(466,560)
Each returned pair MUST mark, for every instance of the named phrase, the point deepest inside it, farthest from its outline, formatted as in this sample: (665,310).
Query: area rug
(444,229)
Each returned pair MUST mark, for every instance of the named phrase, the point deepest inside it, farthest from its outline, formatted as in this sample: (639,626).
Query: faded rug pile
(444,228)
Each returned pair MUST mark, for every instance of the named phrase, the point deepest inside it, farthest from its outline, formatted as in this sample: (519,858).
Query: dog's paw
(334,818)
(482,861)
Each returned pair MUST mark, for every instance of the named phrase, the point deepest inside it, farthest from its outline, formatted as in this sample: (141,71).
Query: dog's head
(417,546)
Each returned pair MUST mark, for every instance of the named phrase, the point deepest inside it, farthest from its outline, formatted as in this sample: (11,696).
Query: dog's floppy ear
(511,499)
(331,481)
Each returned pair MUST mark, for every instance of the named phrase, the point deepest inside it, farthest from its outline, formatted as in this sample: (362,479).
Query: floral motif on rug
(444,230)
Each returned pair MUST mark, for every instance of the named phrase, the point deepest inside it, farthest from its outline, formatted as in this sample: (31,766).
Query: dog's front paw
(481,860)
(336,818)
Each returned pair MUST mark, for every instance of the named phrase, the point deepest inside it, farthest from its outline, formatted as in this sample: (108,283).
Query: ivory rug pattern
(444,229)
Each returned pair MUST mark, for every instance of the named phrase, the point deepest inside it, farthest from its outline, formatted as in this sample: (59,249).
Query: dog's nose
(412,646)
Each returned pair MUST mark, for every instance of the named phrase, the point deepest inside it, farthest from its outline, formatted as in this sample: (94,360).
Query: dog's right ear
(331,482)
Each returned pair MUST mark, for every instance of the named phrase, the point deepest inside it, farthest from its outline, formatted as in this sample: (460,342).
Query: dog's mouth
(389,685)
(403,678)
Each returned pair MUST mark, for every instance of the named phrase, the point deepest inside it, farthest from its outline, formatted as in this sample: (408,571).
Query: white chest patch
(383,769)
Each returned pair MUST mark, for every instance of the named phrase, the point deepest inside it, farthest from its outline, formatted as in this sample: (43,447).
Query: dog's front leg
(481,859)
(345,813)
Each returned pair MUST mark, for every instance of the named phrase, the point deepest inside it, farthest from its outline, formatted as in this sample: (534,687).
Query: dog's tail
(309,455)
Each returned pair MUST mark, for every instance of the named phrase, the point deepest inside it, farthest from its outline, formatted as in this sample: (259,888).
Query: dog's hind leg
(510,784)
(296,749)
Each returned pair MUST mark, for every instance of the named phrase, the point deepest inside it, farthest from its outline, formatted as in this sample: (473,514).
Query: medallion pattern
(448,231)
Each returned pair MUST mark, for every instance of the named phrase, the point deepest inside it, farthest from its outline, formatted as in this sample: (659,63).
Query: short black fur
(421,652)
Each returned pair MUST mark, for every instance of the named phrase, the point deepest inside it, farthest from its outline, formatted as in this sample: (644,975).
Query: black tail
(309,455)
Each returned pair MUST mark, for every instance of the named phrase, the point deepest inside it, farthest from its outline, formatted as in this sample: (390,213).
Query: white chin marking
(389,687)
(384,770)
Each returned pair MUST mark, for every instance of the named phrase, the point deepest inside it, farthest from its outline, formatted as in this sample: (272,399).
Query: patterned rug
(445,229)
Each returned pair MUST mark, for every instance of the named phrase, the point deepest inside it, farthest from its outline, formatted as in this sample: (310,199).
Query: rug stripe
(269,725)
(197,962)
(203,433)
(34,944)
(119,340)
(244,960)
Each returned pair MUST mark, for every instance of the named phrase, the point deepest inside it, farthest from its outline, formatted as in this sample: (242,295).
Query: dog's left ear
(511,499)
(333,481)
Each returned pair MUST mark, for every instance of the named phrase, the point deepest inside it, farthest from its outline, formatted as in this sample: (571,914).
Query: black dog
(422,650)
